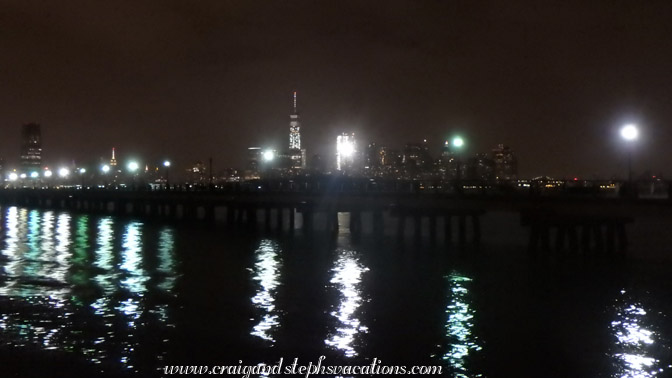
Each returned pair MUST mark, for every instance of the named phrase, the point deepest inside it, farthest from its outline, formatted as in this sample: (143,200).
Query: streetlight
(269,155)
(166,165)
(133,166)
(48,173)
(630,133)
(105,169)
(64,172)
(13,176)
(82,171)
(458,143)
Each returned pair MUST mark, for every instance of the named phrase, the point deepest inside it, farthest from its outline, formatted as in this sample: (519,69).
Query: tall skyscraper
(346,151)
(296,155)
(506,164)
(294,128)
(31,146)
(113,161)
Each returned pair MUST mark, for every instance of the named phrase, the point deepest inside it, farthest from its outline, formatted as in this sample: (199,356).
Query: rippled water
(121,297)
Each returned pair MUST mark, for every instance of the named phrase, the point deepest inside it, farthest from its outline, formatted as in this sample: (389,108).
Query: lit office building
(31,146)
(346,150)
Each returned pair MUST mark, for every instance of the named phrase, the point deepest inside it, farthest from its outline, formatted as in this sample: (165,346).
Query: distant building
(294,127)
(31,146)
(417,154)
(317,164)
(346,152)
(296,155)
(253,164)
(113,160)
(480,167)
(506,164)
(198,173)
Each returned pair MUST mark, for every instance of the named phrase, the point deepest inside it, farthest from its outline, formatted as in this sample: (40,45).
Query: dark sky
(192,79)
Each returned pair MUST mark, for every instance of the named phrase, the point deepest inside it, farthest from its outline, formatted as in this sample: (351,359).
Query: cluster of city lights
(63,172)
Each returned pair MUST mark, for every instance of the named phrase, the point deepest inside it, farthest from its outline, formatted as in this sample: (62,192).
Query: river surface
(85,295)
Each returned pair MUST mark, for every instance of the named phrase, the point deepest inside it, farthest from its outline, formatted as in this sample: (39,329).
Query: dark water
(84,295)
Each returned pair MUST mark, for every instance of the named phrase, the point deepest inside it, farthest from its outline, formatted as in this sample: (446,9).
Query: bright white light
(34,175)
(458,142)
(269,155)
(23,175)
(629,132)
(82,170)
(48,173)
(13,176)
(166,163)
(63,172)
(105,168)
(133,166)
(347,149)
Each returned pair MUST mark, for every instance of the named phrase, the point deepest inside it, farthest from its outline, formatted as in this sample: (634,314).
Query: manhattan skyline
(554,81)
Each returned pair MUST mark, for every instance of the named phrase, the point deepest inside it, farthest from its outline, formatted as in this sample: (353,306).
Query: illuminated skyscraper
(296,155)
(294,128)
(31,146)
(346,150)
(113,161)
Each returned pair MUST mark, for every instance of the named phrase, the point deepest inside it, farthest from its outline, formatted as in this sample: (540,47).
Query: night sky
(192,79)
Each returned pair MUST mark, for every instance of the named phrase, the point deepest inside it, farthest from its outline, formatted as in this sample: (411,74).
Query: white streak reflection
(10,254)
(266,274)
(347,278)
(48,301)
(635,341)
(131,260)
(104,257)
(459,326)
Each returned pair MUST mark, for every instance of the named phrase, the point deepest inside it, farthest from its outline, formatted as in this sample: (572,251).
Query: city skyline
(553,81)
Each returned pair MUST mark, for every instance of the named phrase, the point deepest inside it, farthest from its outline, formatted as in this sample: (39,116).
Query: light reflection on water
(635,340)
(54,272)
(347,278)
(266,273)
(459,326)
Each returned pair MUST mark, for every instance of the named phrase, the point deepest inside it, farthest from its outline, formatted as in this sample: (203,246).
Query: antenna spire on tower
(294,102)
(113,161)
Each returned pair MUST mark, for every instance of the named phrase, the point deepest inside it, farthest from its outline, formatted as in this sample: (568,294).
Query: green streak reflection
(166,255)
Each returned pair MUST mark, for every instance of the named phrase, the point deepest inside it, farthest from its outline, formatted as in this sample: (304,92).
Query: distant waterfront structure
(346,152)
(506,163)
(113,161)
(31,146)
